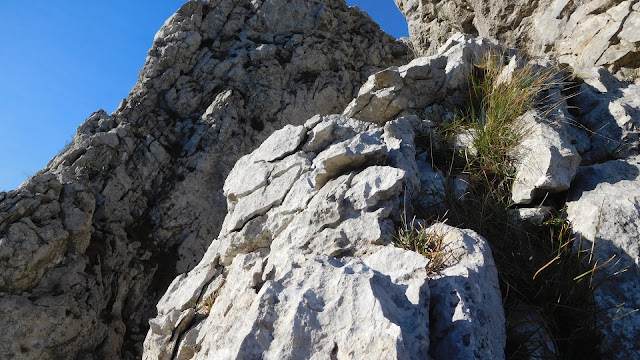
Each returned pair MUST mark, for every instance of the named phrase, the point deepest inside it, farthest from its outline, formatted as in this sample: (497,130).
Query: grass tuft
(499,93)
(416,237)
(536,263)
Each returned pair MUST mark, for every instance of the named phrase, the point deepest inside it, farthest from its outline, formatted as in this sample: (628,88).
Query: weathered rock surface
(582,33)
(546,162)
(90,243)
(305,269)
(286,252)
(461,302)
(604,210)
(610,108)
(423,82)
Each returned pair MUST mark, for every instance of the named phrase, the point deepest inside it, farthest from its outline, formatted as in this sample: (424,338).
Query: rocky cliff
(246,199)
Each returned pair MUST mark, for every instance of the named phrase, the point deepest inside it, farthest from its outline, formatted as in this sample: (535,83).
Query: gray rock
(463,141)
(610,108)
(582,34)
(313,275)
(603,210)
(545,161)
(137,197)
(467,318)
(302,264)
(536,215)
(425,81)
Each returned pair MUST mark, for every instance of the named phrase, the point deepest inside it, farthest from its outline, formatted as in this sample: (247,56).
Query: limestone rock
(466,305)
(186,206)
(582,34)
(90,243)
(536,215)
(611,109)
(425,81)
(313,275)
(603,210)
(546,162)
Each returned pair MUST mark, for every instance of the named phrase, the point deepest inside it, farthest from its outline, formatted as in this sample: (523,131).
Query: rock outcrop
(603,208)
(583,33)
(424,82)
(303,267)
(89,244)
(547,162)
(244,200)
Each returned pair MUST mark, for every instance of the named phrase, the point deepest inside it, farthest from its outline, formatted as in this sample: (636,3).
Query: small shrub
(139,130)
(497,97)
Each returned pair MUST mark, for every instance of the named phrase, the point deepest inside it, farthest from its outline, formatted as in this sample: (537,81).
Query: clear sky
(62,60)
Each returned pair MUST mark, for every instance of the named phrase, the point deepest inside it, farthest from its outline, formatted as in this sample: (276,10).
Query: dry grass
(635,74)
(422,240)
(536,264)
(205,305)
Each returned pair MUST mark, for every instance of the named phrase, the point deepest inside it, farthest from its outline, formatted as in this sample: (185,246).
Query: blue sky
(62,60)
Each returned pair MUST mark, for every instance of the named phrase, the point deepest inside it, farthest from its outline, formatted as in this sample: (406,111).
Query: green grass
(536,263)
(494,107)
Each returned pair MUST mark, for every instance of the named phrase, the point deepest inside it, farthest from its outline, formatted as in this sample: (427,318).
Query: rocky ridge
(123,225)
(89,244)
(326,197)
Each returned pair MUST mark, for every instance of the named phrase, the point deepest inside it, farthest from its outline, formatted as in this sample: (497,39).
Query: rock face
(242,202)
(583,33)
(90,243)
(303,267)
(603,209)
(393,92)
(612,109)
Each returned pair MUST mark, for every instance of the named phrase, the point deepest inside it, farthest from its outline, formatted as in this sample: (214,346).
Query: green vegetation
(536,263)
(93,170)
(139,130)
(497,97)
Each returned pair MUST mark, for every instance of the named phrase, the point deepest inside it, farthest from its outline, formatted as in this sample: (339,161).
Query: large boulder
(304,266)
(89,244)
(546,162)
(186,206)
(425,81)
(610,109)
